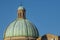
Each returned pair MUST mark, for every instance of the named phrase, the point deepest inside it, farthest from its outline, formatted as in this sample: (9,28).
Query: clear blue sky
(45,14)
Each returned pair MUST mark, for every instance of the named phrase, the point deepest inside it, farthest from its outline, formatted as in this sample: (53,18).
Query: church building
(23,29)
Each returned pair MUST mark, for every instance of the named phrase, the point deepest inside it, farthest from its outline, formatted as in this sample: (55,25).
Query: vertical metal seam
(14,27)
(26,26)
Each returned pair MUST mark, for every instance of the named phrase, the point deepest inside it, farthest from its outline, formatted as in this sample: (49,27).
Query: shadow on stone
(44,37)
(58,37)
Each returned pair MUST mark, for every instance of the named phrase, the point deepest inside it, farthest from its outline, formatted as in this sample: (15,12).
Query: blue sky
(45,14)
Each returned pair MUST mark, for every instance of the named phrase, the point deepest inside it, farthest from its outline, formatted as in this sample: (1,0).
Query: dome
(21,8)
(22,28)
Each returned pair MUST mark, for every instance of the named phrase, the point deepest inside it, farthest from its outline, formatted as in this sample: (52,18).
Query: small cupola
(21,12)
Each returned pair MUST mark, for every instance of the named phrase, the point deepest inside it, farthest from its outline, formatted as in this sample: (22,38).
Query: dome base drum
(20,38)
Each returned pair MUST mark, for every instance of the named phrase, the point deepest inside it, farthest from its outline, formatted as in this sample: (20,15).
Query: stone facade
(49,37)
(52,37)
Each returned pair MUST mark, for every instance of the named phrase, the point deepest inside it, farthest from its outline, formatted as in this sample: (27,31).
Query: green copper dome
(21,27)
